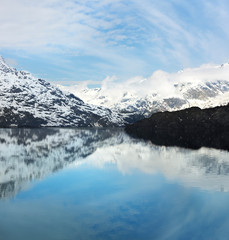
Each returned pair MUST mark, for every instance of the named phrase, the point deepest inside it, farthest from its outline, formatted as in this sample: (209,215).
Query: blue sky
(87,40)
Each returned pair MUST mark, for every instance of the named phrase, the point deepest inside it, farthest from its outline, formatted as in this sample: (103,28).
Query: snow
(206,86)
(22,92)
(115,103)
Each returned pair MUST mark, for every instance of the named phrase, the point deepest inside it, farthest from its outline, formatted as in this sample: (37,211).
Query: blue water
(101,184)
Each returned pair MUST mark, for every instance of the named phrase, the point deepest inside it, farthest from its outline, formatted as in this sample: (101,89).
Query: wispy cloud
(119,37)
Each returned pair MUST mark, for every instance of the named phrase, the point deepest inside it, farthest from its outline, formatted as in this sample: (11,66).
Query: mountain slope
(207,86)
(28,101)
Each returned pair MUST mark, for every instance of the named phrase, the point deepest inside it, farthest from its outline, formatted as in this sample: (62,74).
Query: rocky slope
(191,128)
(26,101)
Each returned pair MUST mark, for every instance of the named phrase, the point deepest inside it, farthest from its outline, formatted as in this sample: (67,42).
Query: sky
(74,41)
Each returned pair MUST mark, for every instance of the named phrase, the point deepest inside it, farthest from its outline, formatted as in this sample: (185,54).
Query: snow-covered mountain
(28,101)
(207,86)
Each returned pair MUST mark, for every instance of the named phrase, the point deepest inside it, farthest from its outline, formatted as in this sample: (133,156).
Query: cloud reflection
(32,154)
(204,168)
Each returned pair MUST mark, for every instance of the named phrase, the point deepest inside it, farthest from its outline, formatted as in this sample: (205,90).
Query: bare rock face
(192,128)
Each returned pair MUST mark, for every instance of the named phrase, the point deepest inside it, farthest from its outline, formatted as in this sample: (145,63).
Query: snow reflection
(31,154)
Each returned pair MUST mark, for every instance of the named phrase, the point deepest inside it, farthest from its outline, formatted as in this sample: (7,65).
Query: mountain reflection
(30,154)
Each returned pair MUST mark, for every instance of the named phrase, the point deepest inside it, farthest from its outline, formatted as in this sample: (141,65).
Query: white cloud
(124,36)
(160,83)
(163,82)
(176,164)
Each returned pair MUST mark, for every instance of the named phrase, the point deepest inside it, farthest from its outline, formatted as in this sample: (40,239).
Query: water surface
(101,184)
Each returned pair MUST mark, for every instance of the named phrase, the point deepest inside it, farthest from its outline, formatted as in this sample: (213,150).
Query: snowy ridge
(28,101)
(207,86)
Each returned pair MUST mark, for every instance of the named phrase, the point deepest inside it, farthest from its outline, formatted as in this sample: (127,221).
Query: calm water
(101,184)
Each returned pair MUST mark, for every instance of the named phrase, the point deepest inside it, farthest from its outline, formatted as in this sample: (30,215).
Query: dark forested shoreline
(191,128)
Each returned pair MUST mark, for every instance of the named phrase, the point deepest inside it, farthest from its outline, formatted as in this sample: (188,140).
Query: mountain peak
(32,102)
(4,67)
(1,59)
